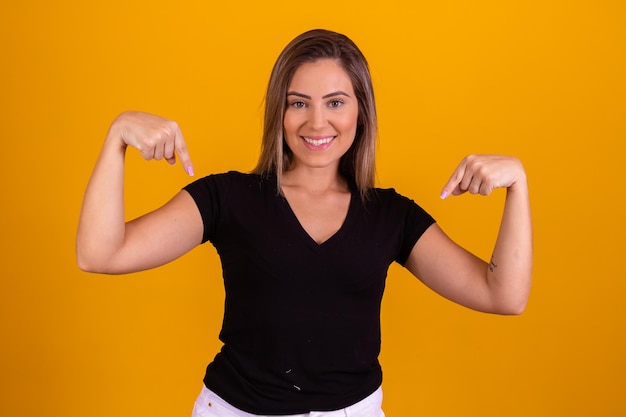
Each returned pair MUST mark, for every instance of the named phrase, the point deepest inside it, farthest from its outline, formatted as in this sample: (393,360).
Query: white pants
(210,404)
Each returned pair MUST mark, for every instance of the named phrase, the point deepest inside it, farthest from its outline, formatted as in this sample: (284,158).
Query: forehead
(323,75)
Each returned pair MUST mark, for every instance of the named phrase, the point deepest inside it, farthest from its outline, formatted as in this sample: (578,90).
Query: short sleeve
(209,195)
(416,221)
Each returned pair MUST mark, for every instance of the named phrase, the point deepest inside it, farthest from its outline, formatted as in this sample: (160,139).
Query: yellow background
(543,80)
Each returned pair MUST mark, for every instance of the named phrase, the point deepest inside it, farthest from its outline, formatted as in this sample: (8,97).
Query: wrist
(519,179)
(114,138)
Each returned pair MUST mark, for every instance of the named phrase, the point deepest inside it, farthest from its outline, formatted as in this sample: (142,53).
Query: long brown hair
(358,165)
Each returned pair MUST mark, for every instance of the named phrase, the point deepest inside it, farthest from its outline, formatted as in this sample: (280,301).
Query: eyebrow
(334,93)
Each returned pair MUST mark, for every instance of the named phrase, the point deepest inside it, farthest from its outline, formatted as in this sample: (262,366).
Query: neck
(315,180)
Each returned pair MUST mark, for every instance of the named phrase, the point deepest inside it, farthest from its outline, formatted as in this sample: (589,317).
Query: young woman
(305,240)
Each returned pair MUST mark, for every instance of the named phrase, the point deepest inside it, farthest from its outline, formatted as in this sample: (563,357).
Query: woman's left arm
(501,286)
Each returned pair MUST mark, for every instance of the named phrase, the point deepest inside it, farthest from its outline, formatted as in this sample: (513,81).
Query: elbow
(84,257)
(511,300)
(95,268)
(85,265)
(87,262)
(512,308)
(97,262)
(82,261)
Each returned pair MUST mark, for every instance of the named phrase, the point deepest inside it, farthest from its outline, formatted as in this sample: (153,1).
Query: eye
(335,103)
(297,104)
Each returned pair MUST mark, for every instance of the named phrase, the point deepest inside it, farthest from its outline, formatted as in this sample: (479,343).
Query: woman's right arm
(105,242)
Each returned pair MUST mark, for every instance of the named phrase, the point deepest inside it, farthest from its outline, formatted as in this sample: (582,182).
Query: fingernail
(443,195)
(190,171)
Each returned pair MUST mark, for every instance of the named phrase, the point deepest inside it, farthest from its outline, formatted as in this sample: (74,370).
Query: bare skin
(503,285)
(105,243)
(321,214)
(322,107)
(319,129)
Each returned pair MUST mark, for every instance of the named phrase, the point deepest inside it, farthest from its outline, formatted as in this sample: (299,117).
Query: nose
(317,118)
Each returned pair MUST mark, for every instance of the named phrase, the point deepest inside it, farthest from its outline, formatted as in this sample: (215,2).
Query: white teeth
(318,142)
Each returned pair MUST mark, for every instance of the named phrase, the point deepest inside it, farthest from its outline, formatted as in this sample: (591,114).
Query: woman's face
(321,117)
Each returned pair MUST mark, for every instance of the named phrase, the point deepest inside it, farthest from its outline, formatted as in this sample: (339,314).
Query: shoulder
(394,204)
(231,181)
(232,176)
(227,195)
(386,196)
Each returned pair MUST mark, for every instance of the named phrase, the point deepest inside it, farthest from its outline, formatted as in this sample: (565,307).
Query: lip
(318,142)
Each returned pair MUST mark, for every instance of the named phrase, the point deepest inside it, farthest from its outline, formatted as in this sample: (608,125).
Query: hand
(481,174)
(154,136)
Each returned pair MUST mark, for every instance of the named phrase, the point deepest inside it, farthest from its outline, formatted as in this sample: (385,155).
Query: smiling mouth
(318,142)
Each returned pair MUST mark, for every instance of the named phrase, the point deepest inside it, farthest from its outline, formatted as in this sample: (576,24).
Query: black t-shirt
(301,328)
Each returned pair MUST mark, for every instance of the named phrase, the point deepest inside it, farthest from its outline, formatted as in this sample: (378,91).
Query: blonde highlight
(358,164)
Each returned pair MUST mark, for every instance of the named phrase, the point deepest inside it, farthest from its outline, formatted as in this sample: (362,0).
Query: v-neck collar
(335,237)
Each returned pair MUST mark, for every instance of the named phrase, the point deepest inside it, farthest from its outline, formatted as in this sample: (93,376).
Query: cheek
(290,124)
(350,122)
